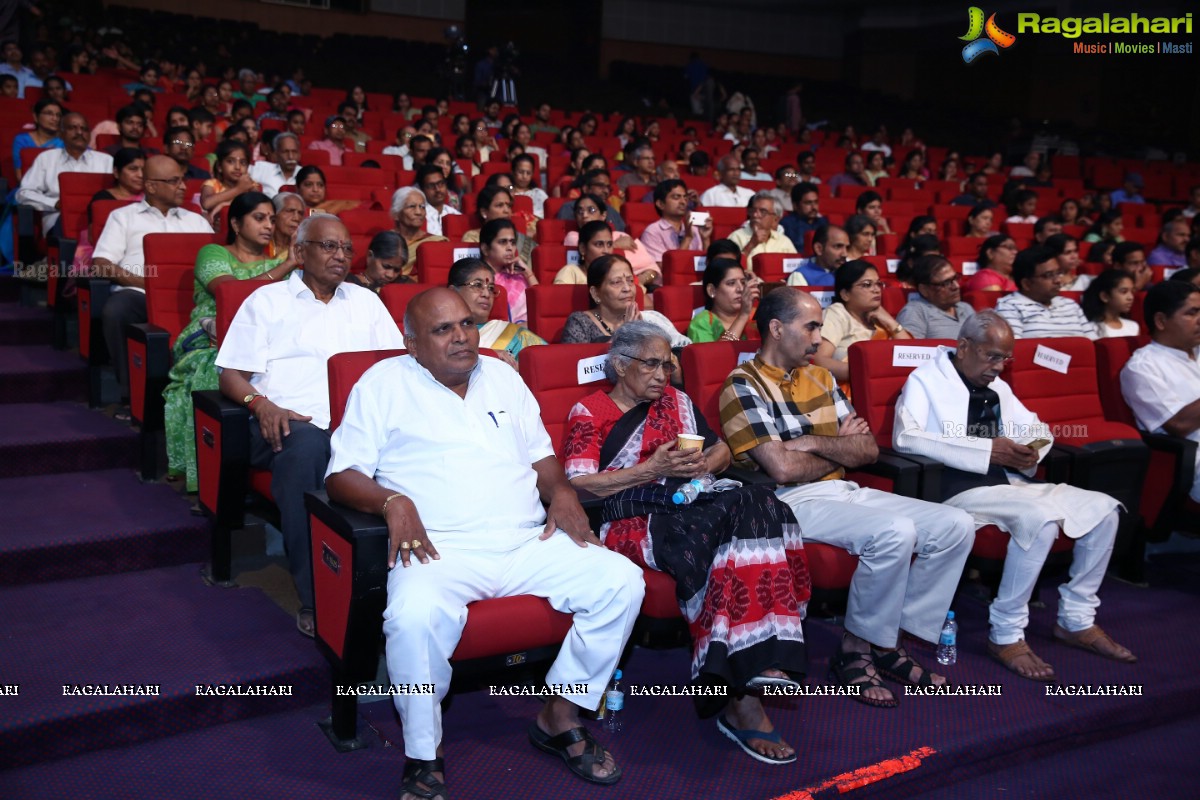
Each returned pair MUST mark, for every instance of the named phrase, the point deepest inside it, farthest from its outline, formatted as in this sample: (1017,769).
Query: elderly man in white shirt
(283,166)
(39,185)
(1161,382)
(761,232)
(273,362)
(727,193)
(120,258)
(414,426)
(956,409)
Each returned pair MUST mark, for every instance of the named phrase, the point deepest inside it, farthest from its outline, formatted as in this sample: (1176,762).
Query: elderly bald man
(119,256)
(452,542)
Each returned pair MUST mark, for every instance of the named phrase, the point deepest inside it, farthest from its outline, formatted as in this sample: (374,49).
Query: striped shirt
(761,403)
(1032,320)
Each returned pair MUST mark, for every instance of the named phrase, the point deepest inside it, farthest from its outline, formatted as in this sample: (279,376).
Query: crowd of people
(785,413)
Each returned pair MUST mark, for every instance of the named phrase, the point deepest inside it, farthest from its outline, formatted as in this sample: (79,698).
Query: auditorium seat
(75,192)
(679,304)
(397,296)
(681,267)
(434,259)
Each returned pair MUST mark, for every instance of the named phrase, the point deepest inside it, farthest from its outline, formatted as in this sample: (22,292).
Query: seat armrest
(904,474)
(1184,451)
(222,456)
(1058,462)
(149,355)
(930,487)
(749,477)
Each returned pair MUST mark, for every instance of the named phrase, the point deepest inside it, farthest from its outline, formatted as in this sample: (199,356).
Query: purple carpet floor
(43,438)
(24,326)
(30,373)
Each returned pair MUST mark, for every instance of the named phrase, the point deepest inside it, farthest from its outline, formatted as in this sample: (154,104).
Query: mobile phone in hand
(1038,444)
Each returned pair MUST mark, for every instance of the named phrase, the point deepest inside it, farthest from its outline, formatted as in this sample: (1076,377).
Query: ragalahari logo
(995,40)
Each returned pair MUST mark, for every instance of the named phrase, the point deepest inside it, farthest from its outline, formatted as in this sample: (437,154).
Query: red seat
(550,305)
(434,259)
(548,259)
(679,304)
(397,296)
(776,267)
(560,376)
(455,225)
(681,267)
(552,231)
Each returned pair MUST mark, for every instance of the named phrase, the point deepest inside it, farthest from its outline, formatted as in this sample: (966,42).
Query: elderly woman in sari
(736,556)
(475,280)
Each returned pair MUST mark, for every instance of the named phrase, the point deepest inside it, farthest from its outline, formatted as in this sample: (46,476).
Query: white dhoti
(1032,514)
(891,590)
(427,610)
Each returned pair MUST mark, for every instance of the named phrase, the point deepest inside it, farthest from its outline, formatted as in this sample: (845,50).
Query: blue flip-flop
(742,739)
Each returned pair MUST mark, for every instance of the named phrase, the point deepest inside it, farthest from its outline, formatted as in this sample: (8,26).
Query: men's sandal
(851,669)
(774,681)
(742,739)
(897,665)
(419,781)
(585,764)
(1094,640)
(306,622)
(1009,653)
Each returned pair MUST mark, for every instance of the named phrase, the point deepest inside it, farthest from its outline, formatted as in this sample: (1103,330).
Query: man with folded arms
(956,409)
(451,544)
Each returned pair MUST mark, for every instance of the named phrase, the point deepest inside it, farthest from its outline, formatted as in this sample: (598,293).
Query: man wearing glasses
(599,183)
(39,185)
(1035,310)
(273,362)
(119,256)
(761,232)
(938,311)
(432,181)
(956,409)
(334,142)
(283,166)
(179,145)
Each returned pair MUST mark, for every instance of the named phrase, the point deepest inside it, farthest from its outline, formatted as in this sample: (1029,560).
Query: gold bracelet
(383,511)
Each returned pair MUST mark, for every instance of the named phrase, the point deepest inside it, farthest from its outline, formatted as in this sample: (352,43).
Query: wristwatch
(249,399)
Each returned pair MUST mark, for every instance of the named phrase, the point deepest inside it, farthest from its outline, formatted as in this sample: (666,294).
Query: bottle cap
(949,615)
(678,498)
(618,675)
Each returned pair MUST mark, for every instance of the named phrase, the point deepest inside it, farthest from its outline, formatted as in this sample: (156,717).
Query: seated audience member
(277,107)
(310,185)
(498,247)
(523,135)
(989,462)
(587,209)
(118,255)
(976,193)
(643,172)
(1106,303)
(408,210)
(354,134)
(699,164)
(909,251)
(1161,381)
(853,175)
(994,266)
(202,122)
(1130,191)
(727,193)
(39,185)
(12,66)
(1107,228)
(496,202)
(334,141)
(131,126)
(1036,310)
(179,144)
(674,229)
(1131,257)
(271,364)
(860,229)
(281,169)
(386,256)
(1189,275)
(419,148)
(432,181)
(937,312)
(496,541)
(1045,227)
(805,214)
(829,243)
(729,300)
(786,179)
(593,239)
(231,177)
(875,168)
(1193,206)
(525,183)
(244,256)
(1070,213)
(788,416)
(297,122)
(475,281)
(47,124)
(855,315)
(750,166)
(622,446)
(1172,244)
(761,233)
(806,167)
(599,183)
(9,87)
(129,175)
(870,205)
(979,221)
(1023,207)
(289,210)
(1065,250)
(613,296)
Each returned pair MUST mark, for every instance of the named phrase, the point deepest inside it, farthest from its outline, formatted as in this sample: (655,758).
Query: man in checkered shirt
(783,414)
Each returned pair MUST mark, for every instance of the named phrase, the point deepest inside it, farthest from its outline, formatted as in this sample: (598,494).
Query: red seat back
(434,259)
(344,371)
(878,370)
(75,190)
(170,278)
(454,226)
(550,305)
(1111,356)
(364,222)
(776,267)
(548,259)
(100,211)
(560,376)
(705,368)
(397,296)
(681,267)
(679,304)
(229,296)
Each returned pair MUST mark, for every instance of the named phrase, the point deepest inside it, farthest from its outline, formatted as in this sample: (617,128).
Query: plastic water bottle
(693,489)
(947,649)
(614,700)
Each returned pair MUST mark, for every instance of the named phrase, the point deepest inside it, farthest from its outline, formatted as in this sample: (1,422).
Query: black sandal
(897,665)
(419,781)
(583,764)
(854,669)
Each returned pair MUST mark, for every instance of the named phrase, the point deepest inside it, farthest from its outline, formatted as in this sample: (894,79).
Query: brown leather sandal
(1095,640)
(1009,653)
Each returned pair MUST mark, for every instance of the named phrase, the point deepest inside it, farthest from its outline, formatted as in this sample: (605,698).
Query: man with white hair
(272,363)
(283,166)
(956,409)
(761,232)
(727,193)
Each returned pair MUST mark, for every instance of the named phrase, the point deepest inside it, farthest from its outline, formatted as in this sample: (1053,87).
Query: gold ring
(404,545)
(417,543)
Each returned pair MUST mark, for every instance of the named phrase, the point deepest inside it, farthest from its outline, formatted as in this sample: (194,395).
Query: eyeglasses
(995,358)
(654,364)
(167,181)
(586,210)
(183,144)
(946,284)
(329,247)
(868,285)
(791,174)
(480,286)
(437,185)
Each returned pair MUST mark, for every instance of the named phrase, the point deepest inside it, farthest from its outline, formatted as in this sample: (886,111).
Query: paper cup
(689,441)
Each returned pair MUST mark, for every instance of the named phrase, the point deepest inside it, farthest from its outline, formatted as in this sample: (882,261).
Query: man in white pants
(451,450)
(788,416)
(956,409)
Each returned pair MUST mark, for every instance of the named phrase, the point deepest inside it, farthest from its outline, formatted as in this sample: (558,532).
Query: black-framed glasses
(946,284)
(654,364)
(329,246)
(480,286)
